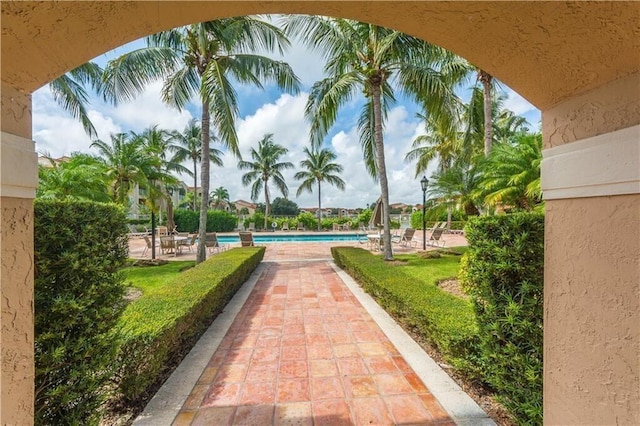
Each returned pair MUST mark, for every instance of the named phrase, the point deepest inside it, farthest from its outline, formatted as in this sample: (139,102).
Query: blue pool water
(266,238)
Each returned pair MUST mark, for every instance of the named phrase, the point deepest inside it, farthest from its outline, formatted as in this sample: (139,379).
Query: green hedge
(79,248)
(157,326)
(217,220)
(445,320)
(416,222)
(503,272)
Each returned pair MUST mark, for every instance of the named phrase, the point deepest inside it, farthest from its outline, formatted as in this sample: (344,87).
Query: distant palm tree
(365,58)
(204,60)
(80,178)
(265,166)
(219,196)
(125,162)
(188,146)
(69,92)
(439,143)
(319,167)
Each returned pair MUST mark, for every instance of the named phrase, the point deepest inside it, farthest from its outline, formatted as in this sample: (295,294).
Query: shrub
(443,319)
(416,221)
(503,272)
(308,220)
(157,327)
(79,248)
(257,219)
(217,220)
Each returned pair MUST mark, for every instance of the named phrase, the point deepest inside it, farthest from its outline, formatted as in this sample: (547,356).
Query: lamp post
(153,222)
(424,182)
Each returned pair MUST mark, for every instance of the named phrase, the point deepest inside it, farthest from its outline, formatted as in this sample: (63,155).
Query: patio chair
(246,239)
(435,237)
(285,226)
(187,243)
(405,238)
(252,227)
(300,227)
(148,245)
(211,241)
(336,227)
(133,232)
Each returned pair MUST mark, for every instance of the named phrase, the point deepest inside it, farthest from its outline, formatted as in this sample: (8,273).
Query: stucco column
(591,183)
(18,179)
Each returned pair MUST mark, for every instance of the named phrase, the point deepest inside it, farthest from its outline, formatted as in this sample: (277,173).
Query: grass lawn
(430,271)
(150,279)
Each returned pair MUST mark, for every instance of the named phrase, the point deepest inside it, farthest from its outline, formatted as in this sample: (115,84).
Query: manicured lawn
(150,279)
(431,271)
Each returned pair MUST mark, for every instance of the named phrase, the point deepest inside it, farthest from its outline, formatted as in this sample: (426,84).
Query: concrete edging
(460,406)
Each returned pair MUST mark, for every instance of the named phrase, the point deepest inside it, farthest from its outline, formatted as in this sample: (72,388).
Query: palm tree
(202,60)
(188,147)
(438,143)
(265,166)
(69,92)
(125,163)
(80,178)
(486,80)
(320,167)
(511,174)
(219,196)
(364,58)
(456,187)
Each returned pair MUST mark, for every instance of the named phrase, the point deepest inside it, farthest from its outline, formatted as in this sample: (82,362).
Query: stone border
(462,409)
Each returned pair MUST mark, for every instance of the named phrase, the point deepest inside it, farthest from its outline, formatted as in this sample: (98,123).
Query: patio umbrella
(376,217)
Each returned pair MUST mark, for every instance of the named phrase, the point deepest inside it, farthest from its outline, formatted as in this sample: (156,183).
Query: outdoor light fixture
(424,183)
(152,182)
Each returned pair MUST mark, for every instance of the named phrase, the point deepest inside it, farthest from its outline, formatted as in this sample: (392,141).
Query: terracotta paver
(303,351)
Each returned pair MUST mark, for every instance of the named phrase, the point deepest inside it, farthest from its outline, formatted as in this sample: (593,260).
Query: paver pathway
(303,351)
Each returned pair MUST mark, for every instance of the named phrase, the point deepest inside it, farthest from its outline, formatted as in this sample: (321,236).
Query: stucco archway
(577,62)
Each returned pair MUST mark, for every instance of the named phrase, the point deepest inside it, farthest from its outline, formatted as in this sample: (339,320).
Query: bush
(79,248)
(157,327)
(309,221)
(257,219)
(443,319)
(503,272)
(416,221)
(217,221)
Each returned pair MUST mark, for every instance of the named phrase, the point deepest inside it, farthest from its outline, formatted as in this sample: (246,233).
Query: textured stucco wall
(592,311)
(16,317)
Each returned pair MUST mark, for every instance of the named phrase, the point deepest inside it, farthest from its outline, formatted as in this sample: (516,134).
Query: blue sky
(261,112)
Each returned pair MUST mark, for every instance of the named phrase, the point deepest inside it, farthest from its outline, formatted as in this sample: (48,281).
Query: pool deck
(302,344)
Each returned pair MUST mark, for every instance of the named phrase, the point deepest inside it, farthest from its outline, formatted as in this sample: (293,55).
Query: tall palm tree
(69,92)
(219,196)
(456,187)
(125,163)
(188,146)
(201,60)
(486,80)
(320,167)
(364,58)
(157,144)
(266,165)
(439,143)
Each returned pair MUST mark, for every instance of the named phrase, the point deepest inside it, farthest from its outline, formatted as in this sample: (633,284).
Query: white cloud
(517,103)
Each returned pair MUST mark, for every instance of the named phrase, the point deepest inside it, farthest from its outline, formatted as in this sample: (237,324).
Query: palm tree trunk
(485,79)
(319,208)
(195,185)
(204,176)
(266,206)
(382,171)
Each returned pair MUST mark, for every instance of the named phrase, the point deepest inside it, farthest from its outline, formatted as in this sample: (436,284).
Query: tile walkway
(302,350)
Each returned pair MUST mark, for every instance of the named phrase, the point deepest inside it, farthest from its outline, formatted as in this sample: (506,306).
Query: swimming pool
(279,238)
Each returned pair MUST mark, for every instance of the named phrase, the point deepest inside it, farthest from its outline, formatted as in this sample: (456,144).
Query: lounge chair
(405,238)
(336,226)
(246,239)
(435,237)
(133,232)
(252,227)
(211,241)
(285,226)
(300,227)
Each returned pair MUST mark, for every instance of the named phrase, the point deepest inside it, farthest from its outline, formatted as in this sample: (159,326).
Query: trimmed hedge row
(445,320)
(79,249)
(503,271)
(217,220)
(156,327)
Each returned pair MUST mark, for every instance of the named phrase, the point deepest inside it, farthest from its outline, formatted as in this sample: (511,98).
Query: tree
(202,60)
(219,196)
(80,178)
(511,174)
(439,143)
(69,92)
(364,58)
(125,163)
(188,146)
(455,187)
(284,207)
(319,167)
(266,165)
